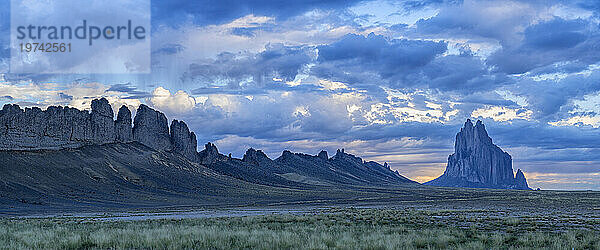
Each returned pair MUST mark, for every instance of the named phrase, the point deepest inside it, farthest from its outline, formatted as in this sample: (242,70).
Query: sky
(390,81)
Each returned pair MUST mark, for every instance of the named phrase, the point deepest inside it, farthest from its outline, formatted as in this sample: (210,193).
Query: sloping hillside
(301,170)
(116,175)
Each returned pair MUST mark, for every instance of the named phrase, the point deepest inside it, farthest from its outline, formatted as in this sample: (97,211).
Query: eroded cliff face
(183,140)
(101,121)
(477,162)
(123,129)
(477,159)
(64,127)
(53,128)
(150,128)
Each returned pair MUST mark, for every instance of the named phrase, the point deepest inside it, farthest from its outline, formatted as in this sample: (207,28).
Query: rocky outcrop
(210,154)
(520,181)
(102,123)
(323,155)
(184,141)
(342,168)
(254,156)
(123,129)
(477,162)
(63,127)
(151,129)
(53,128)
(340,155)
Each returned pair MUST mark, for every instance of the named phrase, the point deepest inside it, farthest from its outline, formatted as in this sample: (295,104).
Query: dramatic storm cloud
(392,82)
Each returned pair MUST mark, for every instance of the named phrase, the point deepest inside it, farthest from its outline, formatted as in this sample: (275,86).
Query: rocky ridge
(477,162)
(64,127)
(342,168)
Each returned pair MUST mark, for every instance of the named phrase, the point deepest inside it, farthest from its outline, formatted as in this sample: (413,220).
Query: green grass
(336,228)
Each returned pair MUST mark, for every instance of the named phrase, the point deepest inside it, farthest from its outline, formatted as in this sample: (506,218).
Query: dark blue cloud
(168,49)
(468,21)
(6,98)
(496,22)
(129,89)
(264,89)
(563,67)
(555,34)
(236,70)
(590,5)
(551,99)
(356,59)
(412,5)
(442,133)
(375,51)
(373,59)
(247,32)
(474,100)
(65,96)
(534,134)
(172,12)
(550,42)
(463,73)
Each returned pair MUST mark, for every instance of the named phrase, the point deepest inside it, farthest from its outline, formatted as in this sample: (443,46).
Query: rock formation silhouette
(478,163)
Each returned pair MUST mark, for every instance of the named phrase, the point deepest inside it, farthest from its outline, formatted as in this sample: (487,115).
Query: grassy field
(348,228)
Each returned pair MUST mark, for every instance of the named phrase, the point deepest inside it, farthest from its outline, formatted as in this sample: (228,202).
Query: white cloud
(583,112)
(502,114)
(301,111)
(249,21)
(227,103)
(332,85)
(417,106)
(519,100)
(180,102)
(578,120)
(29,92)
(589,103)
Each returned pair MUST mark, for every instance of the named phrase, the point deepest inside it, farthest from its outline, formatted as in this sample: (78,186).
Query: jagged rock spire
(471,136)
(323,155)
(477,162)
(209,154)
(123,129)
(184,141)
(102,124)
